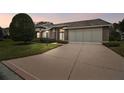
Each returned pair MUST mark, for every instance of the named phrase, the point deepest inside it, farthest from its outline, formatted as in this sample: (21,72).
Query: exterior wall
(57,34)
(44,34)
(51,34)
(106,31)
(66,35)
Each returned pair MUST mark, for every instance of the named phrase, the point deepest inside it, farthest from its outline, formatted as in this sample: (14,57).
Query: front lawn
(118,49)
(9,49)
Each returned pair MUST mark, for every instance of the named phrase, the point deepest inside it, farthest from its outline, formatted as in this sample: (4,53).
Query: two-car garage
(85,35)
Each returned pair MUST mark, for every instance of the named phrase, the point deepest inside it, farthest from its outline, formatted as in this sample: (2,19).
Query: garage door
(85,35)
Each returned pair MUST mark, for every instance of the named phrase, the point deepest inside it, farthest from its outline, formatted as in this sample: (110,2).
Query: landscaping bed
(117,46)
(10,49)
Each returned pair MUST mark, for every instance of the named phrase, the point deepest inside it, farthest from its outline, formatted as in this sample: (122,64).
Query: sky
(5,18)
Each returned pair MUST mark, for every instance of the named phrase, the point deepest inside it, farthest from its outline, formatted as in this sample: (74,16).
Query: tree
(1,34)
(44,22)
(22,28)
(115,26)
(121,26)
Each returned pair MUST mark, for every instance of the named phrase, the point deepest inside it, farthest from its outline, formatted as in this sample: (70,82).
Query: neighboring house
(6,32)
(96,30)
(121,34)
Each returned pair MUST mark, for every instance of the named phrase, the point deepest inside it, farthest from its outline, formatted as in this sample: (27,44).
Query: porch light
(61,30)
(47,31)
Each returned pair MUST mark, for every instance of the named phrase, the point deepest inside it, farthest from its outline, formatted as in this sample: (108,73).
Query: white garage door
(85,35)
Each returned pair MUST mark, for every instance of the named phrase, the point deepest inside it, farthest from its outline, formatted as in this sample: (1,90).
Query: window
(38,34)
(61,34)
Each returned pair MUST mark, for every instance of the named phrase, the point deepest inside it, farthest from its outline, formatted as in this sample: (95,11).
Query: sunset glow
(5,18)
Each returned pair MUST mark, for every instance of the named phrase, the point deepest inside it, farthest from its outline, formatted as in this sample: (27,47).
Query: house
(96,30)
(6,32)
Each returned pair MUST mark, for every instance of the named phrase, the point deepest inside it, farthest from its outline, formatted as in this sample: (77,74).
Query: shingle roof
(84,23)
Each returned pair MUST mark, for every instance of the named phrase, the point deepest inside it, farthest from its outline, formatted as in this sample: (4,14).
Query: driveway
(71,61)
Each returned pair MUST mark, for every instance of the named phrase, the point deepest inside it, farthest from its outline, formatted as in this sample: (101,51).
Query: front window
(61,34)
(38,34)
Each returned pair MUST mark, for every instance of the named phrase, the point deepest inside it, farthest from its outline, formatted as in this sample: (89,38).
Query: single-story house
(96,30)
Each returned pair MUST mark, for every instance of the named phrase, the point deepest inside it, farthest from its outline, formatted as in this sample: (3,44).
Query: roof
(76,24)
(45,26)
(85,23)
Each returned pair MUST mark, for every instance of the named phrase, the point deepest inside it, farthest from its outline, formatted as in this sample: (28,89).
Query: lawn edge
(31,54)
(114,51)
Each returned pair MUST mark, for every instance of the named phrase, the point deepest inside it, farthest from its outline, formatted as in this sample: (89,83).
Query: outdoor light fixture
(47,31)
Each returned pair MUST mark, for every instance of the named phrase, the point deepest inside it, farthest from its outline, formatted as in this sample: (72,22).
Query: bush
(115,36)
(63,42)
(47,40)
(22,28)
(112,44)
(36,40)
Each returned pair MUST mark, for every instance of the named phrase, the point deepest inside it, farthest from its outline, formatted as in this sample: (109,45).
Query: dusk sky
(5,18)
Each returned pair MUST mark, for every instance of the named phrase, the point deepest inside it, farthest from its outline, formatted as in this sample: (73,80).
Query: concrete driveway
(71,61)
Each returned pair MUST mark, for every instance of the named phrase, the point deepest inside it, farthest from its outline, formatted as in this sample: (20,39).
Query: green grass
(119,49)
(9,49)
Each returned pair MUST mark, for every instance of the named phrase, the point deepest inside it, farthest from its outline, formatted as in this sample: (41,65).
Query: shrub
(112,44)
(115,36)
(63,42)
(22,28)
(47,40)
(36,40)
